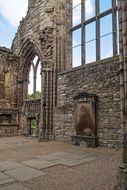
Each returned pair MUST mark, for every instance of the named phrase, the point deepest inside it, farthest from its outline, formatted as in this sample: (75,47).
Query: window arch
(34,76)
(94,30)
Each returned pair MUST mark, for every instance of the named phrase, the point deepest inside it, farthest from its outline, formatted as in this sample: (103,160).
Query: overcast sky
(11,12)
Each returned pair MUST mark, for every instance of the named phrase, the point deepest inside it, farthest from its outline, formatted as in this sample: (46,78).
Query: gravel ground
(99,174)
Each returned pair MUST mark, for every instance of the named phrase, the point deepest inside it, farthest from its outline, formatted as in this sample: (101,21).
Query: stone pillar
(25,88)
(62,48)
(122,172)
(47,103)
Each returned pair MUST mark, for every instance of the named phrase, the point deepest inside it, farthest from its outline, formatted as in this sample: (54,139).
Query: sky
(11,13)
(90,29)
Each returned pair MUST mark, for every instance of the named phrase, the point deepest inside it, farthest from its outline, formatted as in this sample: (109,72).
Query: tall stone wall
(9,66)
(47,25)
(101,79)
(8,78)
(45,31)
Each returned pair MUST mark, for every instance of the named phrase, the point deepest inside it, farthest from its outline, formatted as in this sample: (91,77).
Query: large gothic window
(34,76)
(94,30)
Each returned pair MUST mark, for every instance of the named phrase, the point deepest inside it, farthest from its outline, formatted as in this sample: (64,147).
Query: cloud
(89,7)
(76,2)
(13,10)
(1,24)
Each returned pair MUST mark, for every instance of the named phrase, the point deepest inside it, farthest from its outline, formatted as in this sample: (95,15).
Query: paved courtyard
(26,164)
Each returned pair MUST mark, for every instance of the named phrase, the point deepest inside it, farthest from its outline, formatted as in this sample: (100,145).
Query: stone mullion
(34,82)
(97,31)
(83,49)
(114,28)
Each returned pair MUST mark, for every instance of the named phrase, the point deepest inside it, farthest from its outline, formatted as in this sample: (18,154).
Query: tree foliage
(34,95)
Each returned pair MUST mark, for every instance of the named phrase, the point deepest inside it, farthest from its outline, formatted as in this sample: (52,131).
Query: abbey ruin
(46,32)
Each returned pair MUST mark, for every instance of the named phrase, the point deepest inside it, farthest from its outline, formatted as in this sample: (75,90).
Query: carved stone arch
(28,51)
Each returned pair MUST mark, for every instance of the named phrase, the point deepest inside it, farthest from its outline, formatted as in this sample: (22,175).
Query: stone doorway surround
(90,101)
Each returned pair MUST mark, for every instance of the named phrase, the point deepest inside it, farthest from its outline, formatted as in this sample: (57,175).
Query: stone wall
(45,32)
(101,79)
(47,26)
(8,74)
(8,93)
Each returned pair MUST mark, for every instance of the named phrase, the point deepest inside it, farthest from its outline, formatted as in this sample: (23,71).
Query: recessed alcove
(85,120)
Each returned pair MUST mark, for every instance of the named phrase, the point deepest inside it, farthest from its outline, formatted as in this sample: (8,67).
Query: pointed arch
(28,52)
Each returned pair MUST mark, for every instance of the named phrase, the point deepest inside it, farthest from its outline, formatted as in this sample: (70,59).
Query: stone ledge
(88,141)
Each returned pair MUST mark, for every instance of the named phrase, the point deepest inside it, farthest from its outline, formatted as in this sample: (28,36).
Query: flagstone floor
(26,164)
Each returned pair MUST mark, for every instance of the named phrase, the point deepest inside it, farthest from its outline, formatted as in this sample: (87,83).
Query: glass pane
(90,31)
(106,46)
(76,18)
(76,37)
(76,59)
(89,9)
(35,60)
(105,5)
(91,51)
(106,25)
(38,78)
(30,86)
(76,2)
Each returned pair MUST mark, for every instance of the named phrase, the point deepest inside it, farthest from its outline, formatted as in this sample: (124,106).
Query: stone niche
(85,120)
(8,122)
(5,119)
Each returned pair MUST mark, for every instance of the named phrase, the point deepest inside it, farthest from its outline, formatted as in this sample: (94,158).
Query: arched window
(34,85)
(94,30)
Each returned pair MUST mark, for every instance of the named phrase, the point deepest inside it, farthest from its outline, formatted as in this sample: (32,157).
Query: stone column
(122,172)
(47,103)
(62,47)
(25,88)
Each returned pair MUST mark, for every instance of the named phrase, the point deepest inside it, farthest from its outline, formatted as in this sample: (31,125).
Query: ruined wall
(101,79)
(8,78)
(46,25)
(8,93)
(45,31)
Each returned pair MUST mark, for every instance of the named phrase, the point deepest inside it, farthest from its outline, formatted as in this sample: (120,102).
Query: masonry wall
(8,93)
(47,26)
(101,79)
(45,32)
(8,78)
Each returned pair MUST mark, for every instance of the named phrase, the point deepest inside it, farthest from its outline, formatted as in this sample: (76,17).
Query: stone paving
(29,169)
(19,175)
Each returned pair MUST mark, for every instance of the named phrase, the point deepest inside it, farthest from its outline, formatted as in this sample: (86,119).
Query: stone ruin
(45,33)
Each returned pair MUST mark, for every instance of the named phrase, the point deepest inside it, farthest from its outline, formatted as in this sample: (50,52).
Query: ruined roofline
(5,49)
